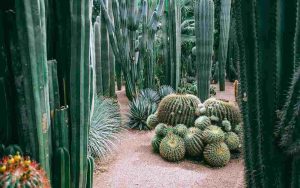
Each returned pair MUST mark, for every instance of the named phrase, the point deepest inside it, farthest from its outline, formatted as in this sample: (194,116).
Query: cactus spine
(266,35)
(204,30)
(224,36)
(80,95)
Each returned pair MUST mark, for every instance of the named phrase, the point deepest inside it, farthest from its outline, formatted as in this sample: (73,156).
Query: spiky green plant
(213,134)
(161,129)
(216,154)
(180,130)
(155,142)
(202,122)
(150,94)
(232,140)
(172,148)
(105,127)
(193,142)
(139,110)
(165,90)
(152,121)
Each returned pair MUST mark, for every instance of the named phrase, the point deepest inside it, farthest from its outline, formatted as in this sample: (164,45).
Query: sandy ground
(134,165)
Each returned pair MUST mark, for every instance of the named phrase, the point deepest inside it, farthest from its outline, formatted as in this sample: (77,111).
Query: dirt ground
(134,165)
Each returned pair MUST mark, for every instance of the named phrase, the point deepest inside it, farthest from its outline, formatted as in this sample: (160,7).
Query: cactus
(54,97)
(202,122)
(16,171)
(12,150)
(172,148)
(80,96)
(226,125)
(213,134)
(232,140)
(97,34)
(222,110)
(161,129)
(152,121)
(204,30)
(61,168)
(224,37)
(178,109)
(216,154)
(180,130)
(60,128)
(90,172)
(34,109)
(193,142)
(264,93)
(155,142)
(6,128)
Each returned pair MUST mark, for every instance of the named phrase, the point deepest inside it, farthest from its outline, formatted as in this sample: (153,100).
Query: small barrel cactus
(180,130)
(16,171)
(161,129)
(232,140)
(193,142)
(202,122)
(178,109)
(216,154)
(213,134)
(226,125)
(152,121)
(172,148)
(155,142)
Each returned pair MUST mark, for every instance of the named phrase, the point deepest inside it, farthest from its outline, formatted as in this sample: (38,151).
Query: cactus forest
(149,93)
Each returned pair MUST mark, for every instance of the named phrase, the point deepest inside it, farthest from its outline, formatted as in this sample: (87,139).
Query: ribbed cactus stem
(30,21)
(60,128)
(80,95)
(224,36)
(204,30)
(61,168)
(90,172)
(97,34)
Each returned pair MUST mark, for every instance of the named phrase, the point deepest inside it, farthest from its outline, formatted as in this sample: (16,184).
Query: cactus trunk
(204,23)
(61,177)
(97,34)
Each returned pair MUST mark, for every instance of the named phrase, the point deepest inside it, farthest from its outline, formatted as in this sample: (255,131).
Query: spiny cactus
(202,122)
(204,30)
(213,134)
(222,110)
(226,125)
(97,38)
(149,94)
(164,91)
(16,171)
(172,148)
(61,167)
(180,130)
(232,140)
(90,172)
(193,142)
(178,109)
(224,37)
(216,154)
(161,129)
(152,121)
(155,142)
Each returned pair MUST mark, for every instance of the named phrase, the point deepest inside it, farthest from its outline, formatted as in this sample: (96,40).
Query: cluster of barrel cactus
(186,127)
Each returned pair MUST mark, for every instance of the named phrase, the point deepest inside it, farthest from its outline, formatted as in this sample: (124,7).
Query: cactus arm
(61,177)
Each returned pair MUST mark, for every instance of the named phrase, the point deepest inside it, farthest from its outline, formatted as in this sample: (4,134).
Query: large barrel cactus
(172,148)
(178,109)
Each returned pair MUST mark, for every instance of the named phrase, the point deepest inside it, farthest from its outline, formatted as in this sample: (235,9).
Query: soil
(134,165)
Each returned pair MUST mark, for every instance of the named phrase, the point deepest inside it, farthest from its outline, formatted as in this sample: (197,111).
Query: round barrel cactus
(202,122)
(180,130)
(232,140)
(213,134)
(178,109)
(216,154)
(193,142)
(172,148)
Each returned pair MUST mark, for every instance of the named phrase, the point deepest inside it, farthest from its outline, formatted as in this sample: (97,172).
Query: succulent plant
(165,90)
(193,142)
(152,121)
(150,94)
(202,122)
(155,142)
(222,110)
(16,171)
(161,129)
(172,148)
(216,154)
(12,150)
(178,109)
(232,140)
(180,130)
(226,125)
(213,134)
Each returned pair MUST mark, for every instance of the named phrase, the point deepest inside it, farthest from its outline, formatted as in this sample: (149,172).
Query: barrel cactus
(152,121)
(178,109)
(155,142)
(213,134)
(180,130)
(222,110)
(232,140)
(161,129)
(202,122)
(193,142)
(226,125)
(172,148)
(16,171)
(216,154)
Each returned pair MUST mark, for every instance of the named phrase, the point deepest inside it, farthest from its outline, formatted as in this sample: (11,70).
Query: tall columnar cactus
(80,95)
(204,26)
(60,128)
(266,35)
(173,40)
(34,109)
(223,44)
(54,98)
(90,171)
(112,62)
(97,35)
(61,168)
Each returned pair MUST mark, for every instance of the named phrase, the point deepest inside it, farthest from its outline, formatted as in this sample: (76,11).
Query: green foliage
(165,90)
(178,109)
(213,134)
(12,150)
(226,125)
(180,130)
(150,95)
(202,122)
(105,127)
(232,140)
(172,148)
(193,142)
(216,154)
(152,121)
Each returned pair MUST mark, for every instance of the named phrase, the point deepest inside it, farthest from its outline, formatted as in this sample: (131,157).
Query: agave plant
(165,90)
(150,94)
(105,127)
(140,109)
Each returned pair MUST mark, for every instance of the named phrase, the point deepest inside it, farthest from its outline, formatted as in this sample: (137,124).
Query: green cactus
(54,97)
(216,154)
(213,134)
(97,34)
(178,109)
(12,150)
(224,37)
(60,128)
(232,140)
(90,172)
(6,128)
(172,148)
(80,96)
(202,122)
(266,35)
(226,125)
(222,110)
(204,30)
(180,130)
(61,168)
(161,129)
(193,142)
(152,121)
(155,142)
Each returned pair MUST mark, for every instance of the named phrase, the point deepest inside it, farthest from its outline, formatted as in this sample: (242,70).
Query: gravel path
(134,165)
